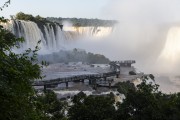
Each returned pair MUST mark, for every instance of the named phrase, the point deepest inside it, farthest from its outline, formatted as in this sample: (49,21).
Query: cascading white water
(25,29)
(32,33)
(52,36)
(91,31)
(172,47)
(169,59)
(168,62)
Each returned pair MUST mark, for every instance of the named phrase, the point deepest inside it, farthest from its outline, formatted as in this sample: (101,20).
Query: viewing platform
(95,79)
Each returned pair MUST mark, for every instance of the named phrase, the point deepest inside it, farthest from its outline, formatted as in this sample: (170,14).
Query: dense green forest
(29,17)
(75,55)
(74,21)
(84,21)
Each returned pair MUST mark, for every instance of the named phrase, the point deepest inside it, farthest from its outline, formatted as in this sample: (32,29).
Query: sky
(56,8)
(123,10)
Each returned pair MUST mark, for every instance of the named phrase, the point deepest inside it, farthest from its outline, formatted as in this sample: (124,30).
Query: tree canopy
(17,71)
(65,56)
(91,107)
(148,103)
(18,99)
(83,22)
(144,102)
(29,17)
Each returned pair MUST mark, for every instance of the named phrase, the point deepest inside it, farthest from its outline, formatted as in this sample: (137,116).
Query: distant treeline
(75,55)
(83,21)
(78,22)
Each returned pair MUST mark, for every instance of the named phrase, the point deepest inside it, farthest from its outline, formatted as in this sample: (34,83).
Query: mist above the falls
(148,32)
(126,42)
(140,35)
(145,26)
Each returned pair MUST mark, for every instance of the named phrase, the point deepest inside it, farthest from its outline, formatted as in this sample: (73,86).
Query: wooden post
(95,84)
(66,85)
(117,75)
(44,88)
(109,85)
(82,80)
(90,82)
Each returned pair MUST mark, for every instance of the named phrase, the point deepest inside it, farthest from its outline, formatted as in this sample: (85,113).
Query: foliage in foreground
(16,74)
(91,107)
(18,100)
(144,102)
(148,103)
(48,105)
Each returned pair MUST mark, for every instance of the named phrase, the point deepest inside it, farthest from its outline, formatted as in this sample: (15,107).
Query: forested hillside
(84,21)
(78,22)
(76,55)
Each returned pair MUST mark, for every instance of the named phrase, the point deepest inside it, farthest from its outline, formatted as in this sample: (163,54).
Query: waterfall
(28,30)
(52,36)
(169,58)
(91,31)
(172,47)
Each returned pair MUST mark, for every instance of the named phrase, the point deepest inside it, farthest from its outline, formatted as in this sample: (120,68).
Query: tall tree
(148,103)
(50,106)
(17,71)
(92,107)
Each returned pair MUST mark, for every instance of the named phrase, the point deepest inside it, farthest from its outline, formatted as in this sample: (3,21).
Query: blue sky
(123,10)
(57,8)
